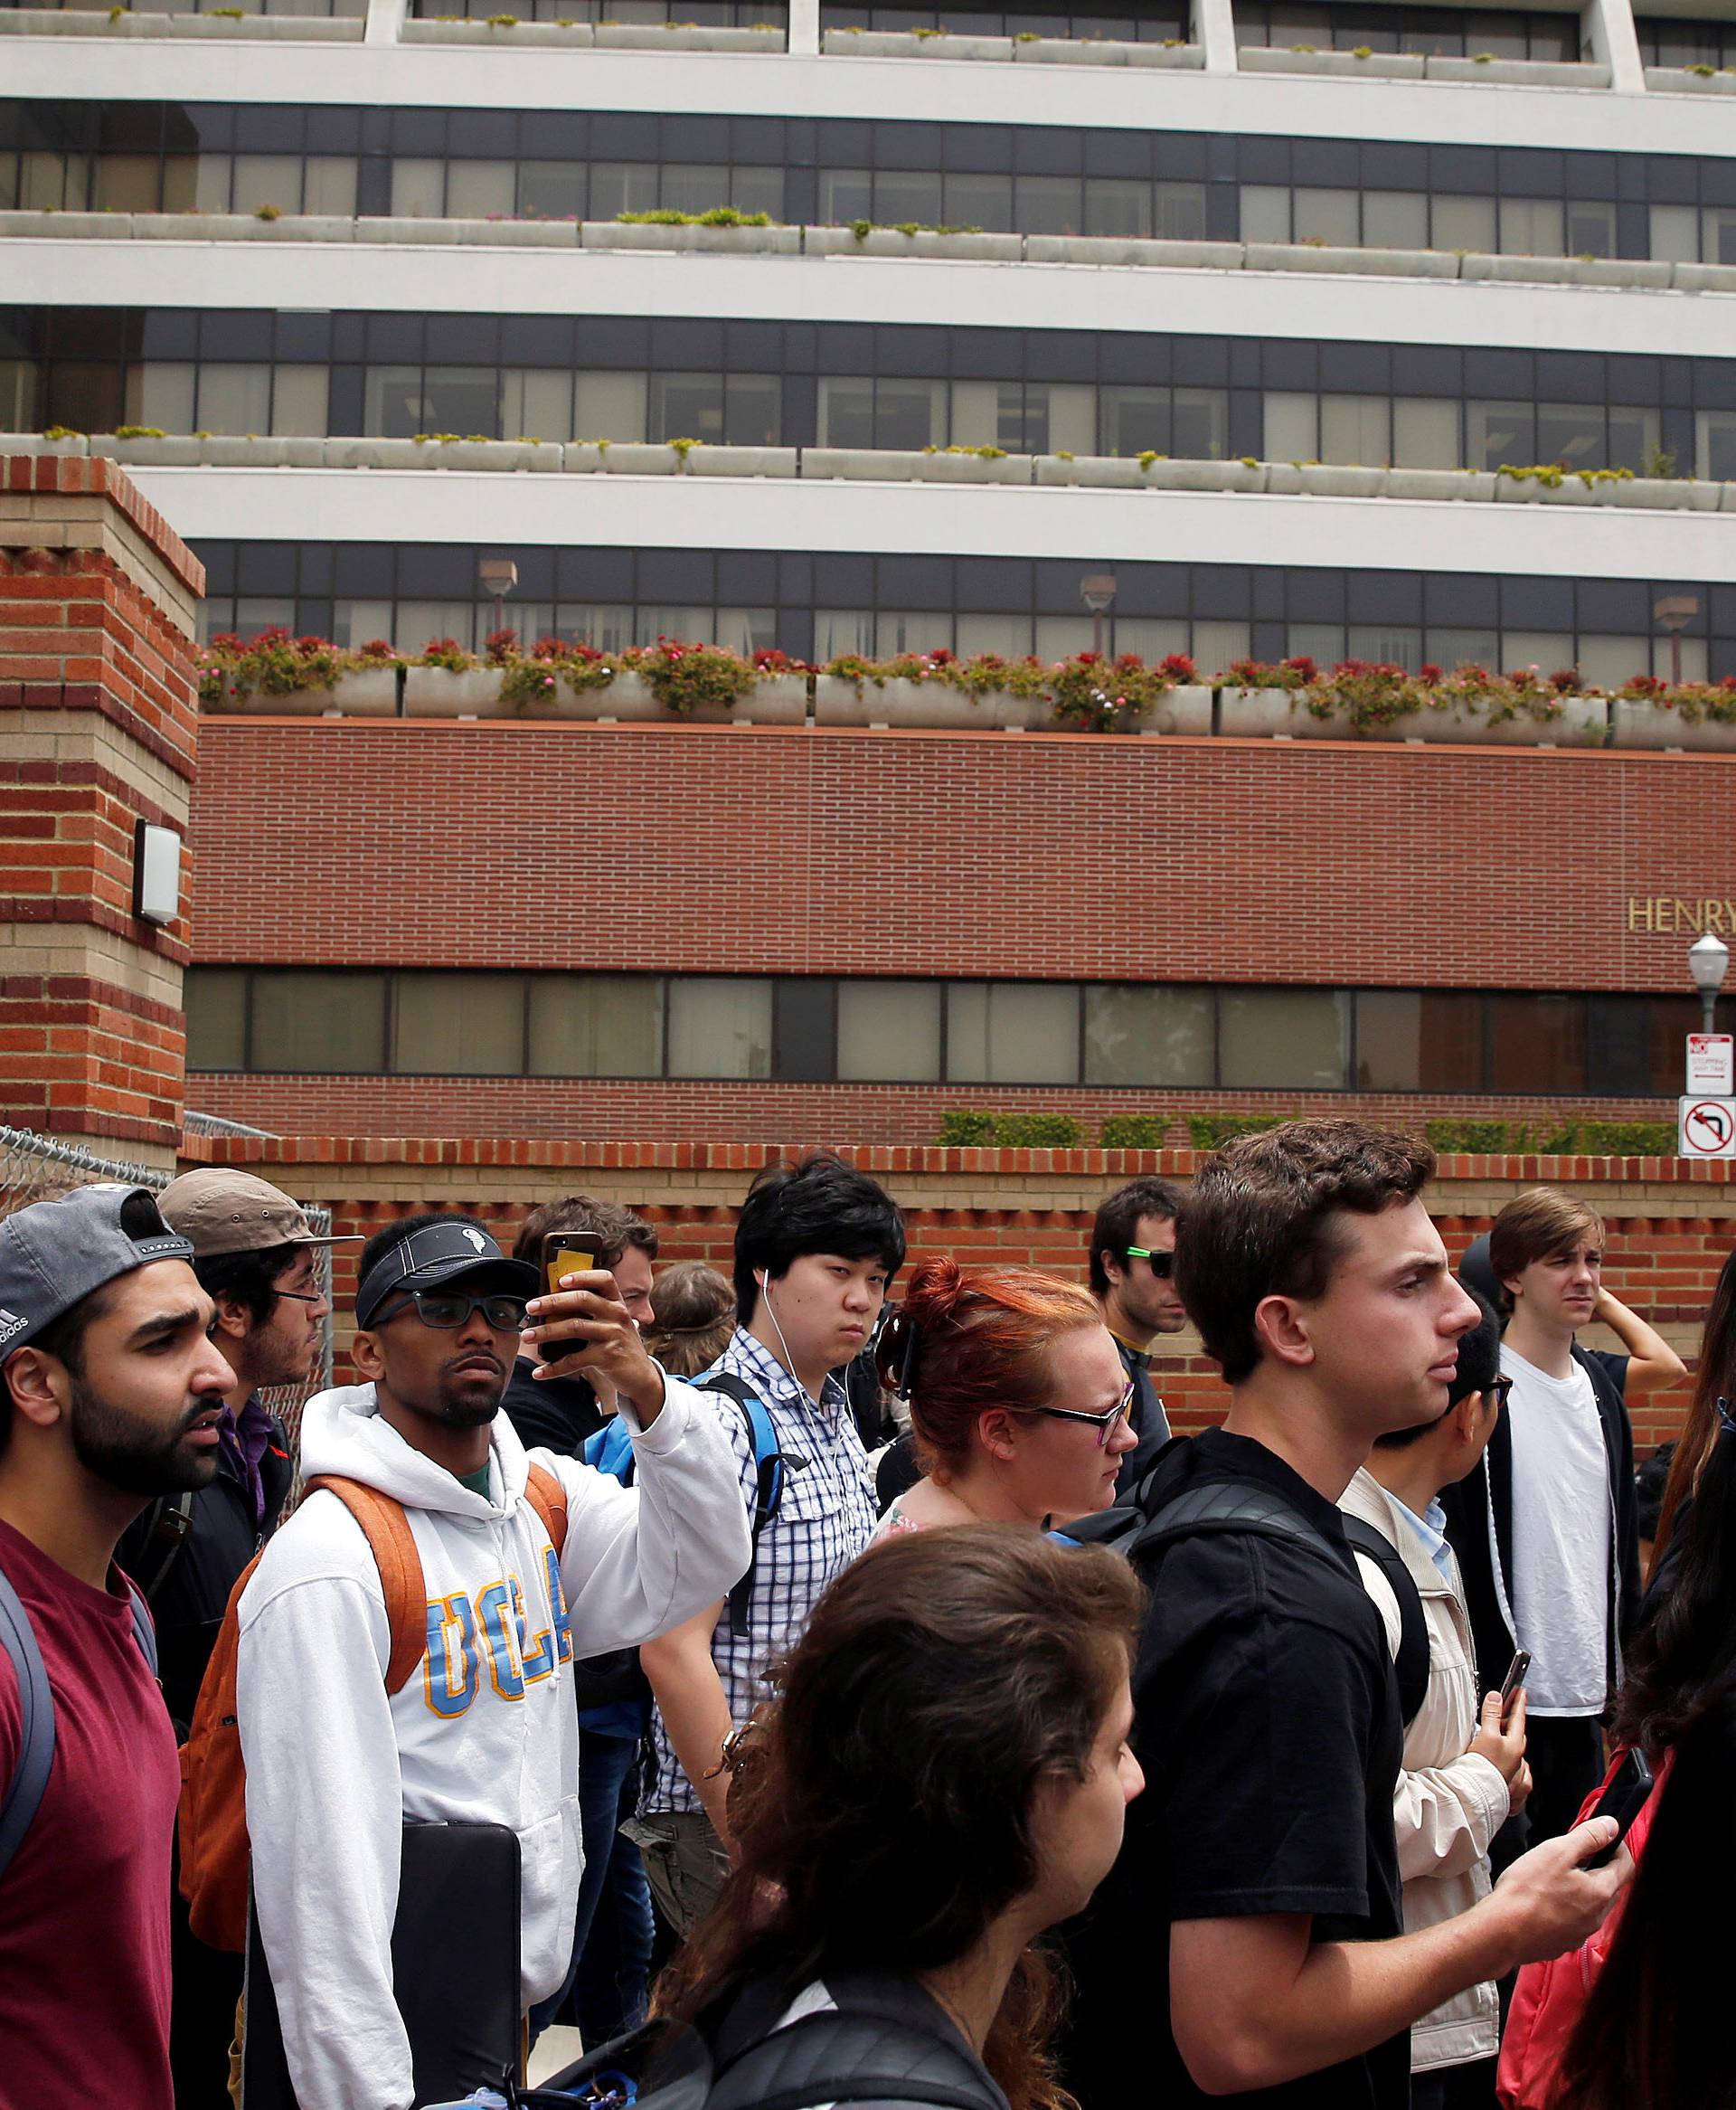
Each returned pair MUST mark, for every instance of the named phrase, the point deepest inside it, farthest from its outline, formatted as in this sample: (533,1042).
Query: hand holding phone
(562,1255)
(1623,1798)
(1514,1680)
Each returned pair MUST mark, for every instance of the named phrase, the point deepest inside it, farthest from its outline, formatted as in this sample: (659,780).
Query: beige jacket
(1449,1802)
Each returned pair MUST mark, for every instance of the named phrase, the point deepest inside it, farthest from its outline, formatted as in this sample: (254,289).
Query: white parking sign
(1706,1127)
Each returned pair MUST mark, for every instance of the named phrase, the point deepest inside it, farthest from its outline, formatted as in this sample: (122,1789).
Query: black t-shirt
(1265,1720)
(555,1414)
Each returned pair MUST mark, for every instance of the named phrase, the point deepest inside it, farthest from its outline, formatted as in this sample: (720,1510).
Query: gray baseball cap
(54,1253)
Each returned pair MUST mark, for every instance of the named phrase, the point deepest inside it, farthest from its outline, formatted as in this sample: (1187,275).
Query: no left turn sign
(1706,1127)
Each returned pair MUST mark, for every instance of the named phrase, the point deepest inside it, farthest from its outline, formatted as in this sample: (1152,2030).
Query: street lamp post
(1098,594)
(1708,959)
(1673,615)
(499,575)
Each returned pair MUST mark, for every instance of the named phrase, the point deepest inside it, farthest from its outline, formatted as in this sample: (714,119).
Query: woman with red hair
(1018,1400)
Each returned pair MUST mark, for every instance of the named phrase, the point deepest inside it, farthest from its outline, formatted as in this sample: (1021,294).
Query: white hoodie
(486,1731)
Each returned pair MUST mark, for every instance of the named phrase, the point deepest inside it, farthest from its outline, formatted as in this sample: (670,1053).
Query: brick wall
(1670,1223)
(98,709)
(692,849)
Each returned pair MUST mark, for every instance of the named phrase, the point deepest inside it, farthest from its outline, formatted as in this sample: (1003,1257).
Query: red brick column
(99,730)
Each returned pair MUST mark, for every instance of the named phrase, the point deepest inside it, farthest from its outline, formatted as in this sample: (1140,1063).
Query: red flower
(1429,672)
(378,648)
(500,644)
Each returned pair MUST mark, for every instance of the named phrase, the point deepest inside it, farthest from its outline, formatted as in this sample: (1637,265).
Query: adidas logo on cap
(10,1323)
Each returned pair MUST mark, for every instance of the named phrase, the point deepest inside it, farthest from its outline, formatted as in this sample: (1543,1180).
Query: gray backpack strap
(144,1625)
(24,1792)
(1231,1505)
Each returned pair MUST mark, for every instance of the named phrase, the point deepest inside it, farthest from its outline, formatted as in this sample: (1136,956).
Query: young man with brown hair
(1261,1867)
(1547,1529)
(1133,1277)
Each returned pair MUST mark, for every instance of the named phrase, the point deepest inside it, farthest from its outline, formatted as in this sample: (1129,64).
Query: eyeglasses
(450,1309)
(1502,1388)
(303,1296)
(1163,1265)
(1104,1424)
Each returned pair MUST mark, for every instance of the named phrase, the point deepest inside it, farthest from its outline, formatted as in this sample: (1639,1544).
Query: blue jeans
(605,1992)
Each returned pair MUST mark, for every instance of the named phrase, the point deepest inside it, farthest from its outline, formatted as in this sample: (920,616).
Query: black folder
(455,1970)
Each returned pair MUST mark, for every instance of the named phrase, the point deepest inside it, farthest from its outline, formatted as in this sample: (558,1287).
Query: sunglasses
(1502,1388)
(1104,1424)
(448,1310)
(1163,1265)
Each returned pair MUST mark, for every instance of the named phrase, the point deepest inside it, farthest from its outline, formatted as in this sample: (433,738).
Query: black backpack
(1137,1531)
(881,2045)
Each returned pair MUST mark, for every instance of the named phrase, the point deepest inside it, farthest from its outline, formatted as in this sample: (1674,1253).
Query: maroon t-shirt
(84,1906)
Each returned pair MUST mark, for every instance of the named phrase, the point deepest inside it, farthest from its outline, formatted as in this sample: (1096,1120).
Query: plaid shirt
(823,1521)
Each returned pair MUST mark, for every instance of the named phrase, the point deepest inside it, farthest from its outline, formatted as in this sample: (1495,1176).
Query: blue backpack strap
(771,1464)
(144,1625)
(24,1792)
(611,1450)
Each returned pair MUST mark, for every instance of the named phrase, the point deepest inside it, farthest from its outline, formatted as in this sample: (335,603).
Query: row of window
(174,131)
(719,13)
(1449,32)
(819,606)
(1164,24)
(817,1028)
(1673,40)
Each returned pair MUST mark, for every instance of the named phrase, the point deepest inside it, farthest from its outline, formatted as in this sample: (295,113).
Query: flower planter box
(1377,66)
(1106,471)
(1185,712)
(1140,251)
(711,240)
(742,461)
(1679,81)
(1528,490)
(367,693)
(776,699)
(1649,725)
(1325,479)
(1666,494)
(1567,270)
(437,691)
(1436,484)
(973,468)
(865,464)
(400,233)
(624,457)
(517,233)
(41,22)
(1520,73)
(1264,714)
(630,698)
(577,36)
(886,44)
(1178,58)
(685,36)
(1205,476)
(1106,52)
(888,242)
(934,705)
(1704,278)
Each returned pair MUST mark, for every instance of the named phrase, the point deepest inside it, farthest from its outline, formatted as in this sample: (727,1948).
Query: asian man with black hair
(816,1246)
(1464,1770)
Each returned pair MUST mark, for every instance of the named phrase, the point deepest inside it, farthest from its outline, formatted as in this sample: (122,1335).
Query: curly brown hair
(882,1807)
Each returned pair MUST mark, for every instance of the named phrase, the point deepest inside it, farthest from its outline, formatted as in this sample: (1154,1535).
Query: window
(1536,1043)
(1531,227)
(309,1020)
(234,397)
(1411,1041)
(459,1025)
(889,1030)
(1012,1033)
(595,1025)
(216,1003)
(720,1028)
(1284,1038)
(476,190)
(1140,1035)
(1355,428)
(1327,217)
(1424,434)
(1715,445)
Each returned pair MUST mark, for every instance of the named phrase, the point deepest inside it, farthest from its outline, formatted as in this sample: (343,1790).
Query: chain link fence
(34,1169)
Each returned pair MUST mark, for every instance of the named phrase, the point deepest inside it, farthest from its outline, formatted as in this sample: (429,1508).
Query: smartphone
(1623,1800)
(1514,1680)
(562,1255)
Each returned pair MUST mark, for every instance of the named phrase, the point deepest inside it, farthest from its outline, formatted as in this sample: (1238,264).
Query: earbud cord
(771,1313)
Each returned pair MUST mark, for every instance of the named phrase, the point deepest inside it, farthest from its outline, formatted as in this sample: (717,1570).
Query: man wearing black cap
(254,1253)
(111,1394)
(486,1728)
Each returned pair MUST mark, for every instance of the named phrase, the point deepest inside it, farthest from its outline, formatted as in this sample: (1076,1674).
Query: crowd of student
(848,1678)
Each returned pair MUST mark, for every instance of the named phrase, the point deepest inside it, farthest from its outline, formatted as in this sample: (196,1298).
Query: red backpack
(212,1816)
(1548,1999)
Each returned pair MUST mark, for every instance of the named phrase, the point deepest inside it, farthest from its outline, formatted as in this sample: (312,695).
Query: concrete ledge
(297,28)
(780,240)
(1679,81)
(1377,66)
(1518,72)
(900,43)
(575,36)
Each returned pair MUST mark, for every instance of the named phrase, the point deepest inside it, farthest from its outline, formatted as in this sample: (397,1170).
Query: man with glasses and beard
(111,1394)
(1132,1273)
(484,1729)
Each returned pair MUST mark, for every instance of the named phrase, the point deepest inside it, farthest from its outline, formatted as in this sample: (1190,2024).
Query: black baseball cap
(437,1253)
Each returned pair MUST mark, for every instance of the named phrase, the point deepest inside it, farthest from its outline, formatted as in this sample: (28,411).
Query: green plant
(1705,72)
(1626,1139)
(685,677)
(267,212)
(1134,1132)
(1065,454)
(982,453)
(115,14)
(1473,1138)
(1148,454)
(1210,1131)
(230,14)
(683,447)
(862,229)
(502,21)
(1660,462)
(962,1129)
(529,681)
(61,432)
(1482,58)
(1037,1131)
(1362,51)
(140,432)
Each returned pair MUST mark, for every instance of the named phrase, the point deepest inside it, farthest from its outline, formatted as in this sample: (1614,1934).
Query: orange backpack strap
(548,1498)
(400,1571)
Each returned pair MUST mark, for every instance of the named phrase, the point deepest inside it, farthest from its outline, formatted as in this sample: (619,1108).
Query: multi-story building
(1241,313)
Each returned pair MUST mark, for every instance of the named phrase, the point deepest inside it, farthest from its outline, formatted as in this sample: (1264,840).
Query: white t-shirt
(1561,1537)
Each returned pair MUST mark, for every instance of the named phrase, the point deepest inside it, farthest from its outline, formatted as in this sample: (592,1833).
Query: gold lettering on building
(1664,915)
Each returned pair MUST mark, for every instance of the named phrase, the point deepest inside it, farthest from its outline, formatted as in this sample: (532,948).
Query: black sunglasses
(450,1309)
(1163,1265)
